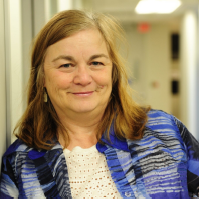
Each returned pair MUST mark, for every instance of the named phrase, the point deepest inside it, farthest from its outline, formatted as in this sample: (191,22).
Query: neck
(81,128)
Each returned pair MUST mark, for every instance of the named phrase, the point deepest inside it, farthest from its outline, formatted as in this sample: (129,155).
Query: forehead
(90,39)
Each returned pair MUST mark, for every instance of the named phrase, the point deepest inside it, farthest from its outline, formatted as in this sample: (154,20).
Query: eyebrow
(65,57)
(70,58)
(98,56)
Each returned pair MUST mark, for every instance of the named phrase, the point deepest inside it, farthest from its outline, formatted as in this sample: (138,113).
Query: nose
(83,75)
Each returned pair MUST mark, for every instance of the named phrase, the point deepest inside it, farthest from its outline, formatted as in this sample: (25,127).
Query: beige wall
(158,67)
(2,85)
(149,60)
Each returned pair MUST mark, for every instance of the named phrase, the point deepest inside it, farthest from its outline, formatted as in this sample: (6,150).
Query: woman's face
(78,73)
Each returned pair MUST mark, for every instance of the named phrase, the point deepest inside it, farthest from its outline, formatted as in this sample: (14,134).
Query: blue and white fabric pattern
(163,164)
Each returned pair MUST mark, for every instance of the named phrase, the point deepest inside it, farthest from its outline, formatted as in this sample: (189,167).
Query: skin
(78,80)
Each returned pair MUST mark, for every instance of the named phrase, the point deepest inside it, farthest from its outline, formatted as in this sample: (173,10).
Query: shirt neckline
(78,149)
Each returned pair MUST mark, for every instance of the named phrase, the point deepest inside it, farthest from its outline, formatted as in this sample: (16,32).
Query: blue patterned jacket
(164,164)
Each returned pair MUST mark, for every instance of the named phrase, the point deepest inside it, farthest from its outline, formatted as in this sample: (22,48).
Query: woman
(82,135)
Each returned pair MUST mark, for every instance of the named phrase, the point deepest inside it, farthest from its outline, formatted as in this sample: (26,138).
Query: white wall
(149,60)
(189,71)
(2,85)
(14,71)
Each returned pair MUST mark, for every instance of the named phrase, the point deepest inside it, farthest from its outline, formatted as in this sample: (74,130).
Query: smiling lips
(83,94)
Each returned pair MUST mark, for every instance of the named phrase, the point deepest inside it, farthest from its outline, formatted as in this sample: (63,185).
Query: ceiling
(124,10)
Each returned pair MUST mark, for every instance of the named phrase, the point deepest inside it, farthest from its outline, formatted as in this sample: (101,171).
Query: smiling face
(78,73)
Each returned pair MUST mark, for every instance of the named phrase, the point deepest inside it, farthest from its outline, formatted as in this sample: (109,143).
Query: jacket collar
(114,142)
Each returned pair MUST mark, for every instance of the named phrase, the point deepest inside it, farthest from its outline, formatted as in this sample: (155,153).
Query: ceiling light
(157,6)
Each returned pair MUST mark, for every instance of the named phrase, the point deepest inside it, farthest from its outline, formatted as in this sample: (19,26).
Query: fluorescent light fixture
(157,6)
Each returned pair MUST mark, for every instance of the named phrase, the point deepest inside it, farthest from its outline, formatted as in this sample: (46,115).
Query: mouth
(83,94)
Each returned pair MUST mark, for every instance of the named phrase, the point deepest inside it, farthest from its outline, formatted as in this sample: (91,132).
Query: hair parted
(39,124)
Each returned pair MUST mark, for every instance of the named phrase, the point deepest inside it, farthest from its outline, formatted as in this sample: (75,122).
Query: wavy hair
(39,124)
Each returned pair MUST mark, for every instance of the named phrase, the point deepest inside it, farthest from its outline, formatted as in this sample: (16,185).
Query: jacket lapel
(52,172)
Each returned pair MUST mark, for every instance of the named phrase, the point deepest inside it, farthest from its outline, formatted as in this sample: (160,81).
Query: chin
(87,109)
(84,110)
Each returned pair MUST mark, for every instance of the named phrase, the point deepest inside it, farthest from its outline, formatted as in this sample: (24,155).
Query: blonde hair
(39,124)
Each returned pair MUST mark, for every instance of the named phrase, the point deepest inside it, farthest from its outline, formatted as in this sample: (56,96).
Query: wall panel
(2,85)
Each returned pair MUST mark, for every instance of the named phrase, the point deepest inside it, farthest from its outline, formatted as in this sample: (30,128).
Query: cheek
(109,81)
(57,81)
(103,81)
(104,78)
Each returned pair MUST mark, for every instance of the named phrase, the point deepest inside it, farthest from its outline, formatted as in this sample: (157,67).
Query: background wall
(150,64)
(14,66)
(2,84)
(189,84)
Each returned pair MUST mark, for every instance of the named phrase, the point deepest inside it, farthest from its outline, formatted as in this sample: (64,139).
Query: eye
(66,65)
(95,63)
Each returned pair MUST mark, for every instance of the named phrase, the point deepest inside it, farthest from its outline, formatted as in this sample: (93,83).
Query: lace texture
(89,176)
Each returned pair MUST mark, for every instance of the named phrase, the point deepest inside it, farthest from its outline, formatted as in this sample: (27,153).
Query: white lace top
(89,176)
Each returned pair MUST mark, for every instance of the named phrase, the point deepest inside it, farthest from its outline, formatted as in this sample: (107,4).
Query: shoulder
(23,166)
(161,119)
(158,114)
(15,150)
(17,147)
(163,123)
